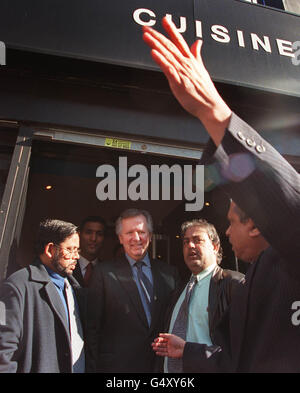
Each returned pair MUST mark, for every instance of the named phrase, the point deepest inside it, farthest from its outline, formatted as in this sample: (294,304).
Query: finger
(167,68)
(175,36)
(161,43)
(159,339)
(160,353)
(165,335)
(196,50)
(162,342)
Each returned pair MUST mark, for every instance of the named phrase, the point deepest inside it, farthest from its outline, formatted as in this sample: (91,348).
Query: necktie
(180,324)
(87,275)
(76,333)
(146,285)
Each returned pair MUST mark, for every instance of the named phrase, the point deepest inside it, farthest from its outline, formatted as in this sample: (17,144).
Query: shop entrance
(63,183)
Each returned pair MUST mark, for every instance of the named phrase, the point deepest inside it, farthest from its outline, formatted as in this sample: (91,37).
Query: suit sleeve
(260,181)
(10,328)
(265,186)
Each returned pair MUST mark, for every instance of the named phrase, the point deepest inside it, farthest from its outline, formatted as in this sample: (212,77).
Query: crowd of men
(70,312)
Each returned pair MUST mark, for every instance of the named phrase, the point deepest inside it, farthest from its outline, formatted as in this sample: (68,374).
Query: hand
(168,345)
(188,78)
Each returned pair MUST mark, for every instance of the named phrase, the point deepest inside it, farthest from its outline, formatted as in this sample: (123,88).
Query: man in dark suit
(92,233)
(211,294)
(130,295)
(260,332)
(41,331)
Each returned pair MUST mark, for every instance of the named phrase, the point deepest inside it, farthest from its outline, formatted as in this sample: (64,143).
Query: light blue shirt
(197,329)
(147,271)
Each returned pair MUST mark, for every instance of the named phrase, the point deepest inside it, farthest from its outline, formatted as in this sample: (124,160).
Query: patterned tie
(180,324)
(76,333)
(88,274)
(146,285)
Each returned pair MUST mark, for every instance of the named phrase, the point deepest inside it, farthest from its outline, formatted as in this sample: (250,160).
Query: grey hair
(134,213)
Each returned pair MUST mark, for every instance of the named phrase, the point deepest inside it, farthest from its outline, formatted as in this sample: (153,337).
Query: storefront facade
(80,91)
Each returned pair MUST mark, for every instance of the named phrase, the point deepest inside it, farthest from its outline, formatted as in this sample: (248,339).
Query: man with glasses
(42,331)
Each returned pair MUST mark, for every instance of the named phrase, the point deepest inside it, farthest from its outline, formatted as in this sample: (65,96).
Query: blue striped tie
(146,285)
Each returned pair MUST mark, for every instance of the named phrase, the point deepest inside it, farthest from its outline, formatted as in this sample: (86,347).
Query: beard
(57,266)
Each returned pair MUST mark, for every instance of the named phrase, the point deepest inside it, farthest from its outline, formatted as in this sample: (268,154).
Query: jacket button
(241,135)
(260,148)
(250,142)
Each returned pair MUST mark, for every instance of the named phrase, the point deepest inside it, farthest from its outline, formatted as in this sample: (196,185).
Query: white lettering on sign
(221,34)
(265,43)
(285,48)
(144,17)
(182,25)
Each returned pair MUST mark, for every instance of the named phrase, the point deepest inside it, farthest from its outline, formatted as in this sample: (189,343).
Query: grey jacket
(35,337)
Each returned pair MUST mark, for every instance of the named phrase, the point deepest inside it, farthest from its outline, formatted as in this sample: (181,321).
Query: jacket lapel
(124,275)
(158,294)
(38,273)
(213,296)
(239,311)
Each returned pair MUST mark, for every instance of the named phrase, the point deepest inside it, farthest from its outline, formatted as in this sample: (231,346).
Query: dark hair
(98,219)
(133,213)
(241,214)
(210,230)
(53,231)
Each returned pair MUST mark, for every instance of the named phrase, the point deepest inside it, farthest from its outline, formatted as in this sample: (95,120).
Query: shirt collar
(206,272)
(84,262)
(132,262)
(57,279)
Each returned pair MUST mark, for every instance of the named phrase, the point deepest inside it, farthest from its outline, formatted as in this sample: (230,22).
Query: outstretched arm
(188,78)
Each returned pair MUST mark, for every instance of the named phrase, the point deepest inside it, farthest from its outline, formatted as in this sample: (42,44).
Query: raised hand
(188,78)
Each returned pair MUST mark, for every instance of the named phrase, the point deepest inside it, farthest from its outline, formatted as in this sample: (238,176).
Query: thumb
(196,50)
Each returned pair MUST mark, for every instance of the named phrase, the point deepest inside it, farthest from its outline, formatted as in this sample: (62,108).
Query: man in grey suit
(262,333)
(40,332)
(130,295)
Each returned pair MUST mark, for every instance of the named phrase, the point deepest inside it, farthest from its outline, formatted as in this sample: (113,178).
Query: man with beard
(41,331)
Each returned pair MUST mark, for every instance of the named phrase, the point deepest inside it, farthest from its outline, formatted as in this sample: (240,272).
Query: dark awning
(244,44)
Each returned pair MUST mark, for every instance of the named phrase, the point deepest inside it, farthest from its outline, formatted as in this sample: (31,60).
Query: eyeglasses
(69,253)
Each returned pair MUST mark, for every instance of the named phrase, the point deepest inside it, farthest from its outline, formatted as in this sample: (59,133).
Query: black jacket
(261,335)
(120,337)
